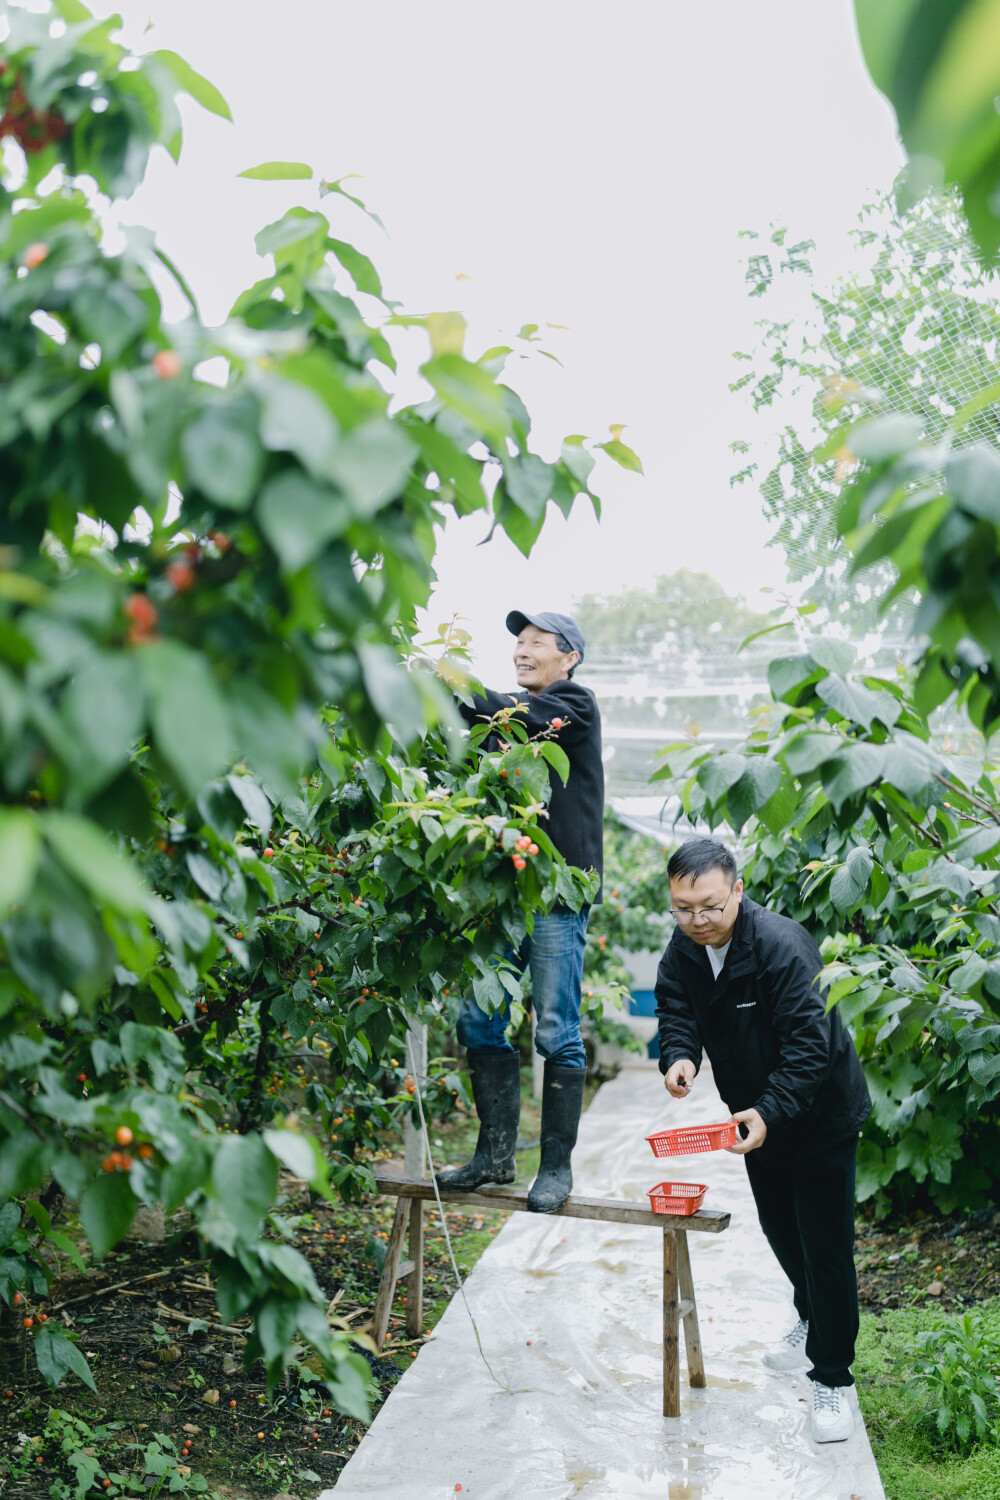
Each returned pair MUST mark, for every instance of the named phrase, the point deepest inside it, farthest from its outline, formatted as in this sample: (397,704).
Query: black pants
(806,1210)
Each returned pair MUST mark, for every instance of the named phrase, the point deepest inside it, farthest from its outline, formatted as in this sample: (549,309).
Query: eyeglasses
(713,913)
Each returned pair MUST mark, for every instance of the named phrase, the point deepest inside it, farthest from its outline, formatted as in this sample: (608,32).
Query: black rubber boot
(562,1100)
(496,1088)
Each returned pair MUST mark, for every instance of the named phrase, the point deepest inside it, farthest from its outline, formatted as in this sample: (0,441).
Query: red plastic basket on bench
(693,1138)
(676,1197)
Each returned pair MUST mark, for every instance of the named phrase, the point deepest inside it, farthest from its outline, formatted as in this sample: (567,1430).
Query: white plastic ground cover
(570,1314)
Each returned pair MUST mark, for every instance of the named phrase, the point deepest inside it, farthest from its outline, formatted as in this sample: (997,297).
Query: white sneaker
(832,1418)
(789,1353)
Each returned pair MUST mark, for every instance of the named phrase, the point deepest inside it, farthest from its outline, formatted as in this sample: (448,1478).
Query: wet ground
(569,1315)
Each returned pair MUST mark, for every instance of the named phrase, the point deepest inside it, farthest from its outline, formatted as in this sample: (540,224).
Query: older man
(739,982)
(549,648)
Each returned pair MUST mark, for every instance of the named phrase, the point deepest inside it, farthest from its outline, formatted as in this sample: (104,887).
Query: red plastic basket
(676,1197)
(693,1138)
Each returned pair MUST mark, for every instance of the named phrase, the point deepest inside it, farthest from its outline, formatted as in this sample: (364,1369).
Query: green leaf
(972,476)
(755,787)
(279,171)
(69,1249)
(910,765)
(190,82)
(932,687)
(717,775)
(622,455)
(349,1387)
(20,846)
(297,1152)
(255,803)
(244,1182)
(806,752)
(191,727)
(578,461)
(57,1356)
(299,516)
(557,759)
(470,392)
(85,851)
(297,241)
(833,654)
(850,881)
(24,1162)
(297,420)
(852,770)
(529,482)
(112,315)
(391,690)
(358,266)
(779,810)
(106,1211)
(786,673)
(223,452)
(857,702)
(272,741)
(979,841)
(104,711)
(877,439)
(326,187)
(372,464)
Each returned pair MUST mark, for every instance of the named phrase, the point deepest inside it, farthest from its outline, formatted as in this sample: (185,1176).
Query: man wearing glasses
(738,982)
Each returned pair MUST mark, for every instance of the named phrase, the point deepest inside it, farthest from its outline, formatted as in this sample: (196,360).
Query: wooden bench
(678,1286)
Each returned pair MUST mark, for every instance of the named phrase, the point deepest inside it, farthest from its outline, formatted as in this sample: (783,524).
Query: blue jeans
(555,953)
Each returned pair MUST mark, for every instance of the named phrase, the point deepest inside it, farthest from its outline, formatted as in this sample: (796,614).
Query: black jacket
(764,1025)
(576,811)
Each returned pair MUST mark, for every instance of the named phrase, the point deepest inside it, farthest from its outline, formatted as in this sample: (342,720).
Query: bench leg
(387,1285)
(671,1348)
(415,1280)
(692,1334)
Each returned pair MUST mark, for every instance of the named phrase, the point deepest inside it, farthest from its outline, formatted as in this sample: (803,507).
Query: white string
(444,1223)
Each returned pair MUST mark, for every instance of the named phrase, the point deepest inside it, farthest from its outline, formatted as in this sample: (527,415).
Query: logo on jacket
(747,1005)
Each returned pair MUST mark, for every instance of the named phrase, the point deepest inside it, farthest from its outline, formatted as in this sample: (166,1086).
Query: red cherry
(268,852)
(532,848)
(141,610)
(167,363)
(35,254)
(181,576)
(519,863)
(557,723)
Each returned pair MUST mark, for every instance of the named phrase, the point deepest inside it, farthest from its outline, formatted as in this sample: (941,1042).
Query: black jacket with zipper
(576,810)
(764,1026)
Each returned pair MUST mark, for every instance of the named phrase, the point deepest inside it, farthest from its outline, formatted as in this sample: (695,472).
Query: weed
(954,1380)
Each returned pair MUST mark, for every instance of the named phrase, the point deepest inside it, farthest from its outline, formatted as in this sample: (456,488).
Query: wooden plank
(415,1280)
(689,1313)
(387,1285)
(407,1268)
(671,1348)
(612,1210)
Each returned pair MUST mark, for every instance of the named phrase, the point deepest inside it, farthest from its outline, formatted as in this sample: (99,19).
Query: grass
(912,1461)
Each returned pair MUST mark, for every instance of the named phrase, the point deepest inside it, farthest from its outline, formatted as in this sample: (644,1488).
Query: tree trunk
(13,1345)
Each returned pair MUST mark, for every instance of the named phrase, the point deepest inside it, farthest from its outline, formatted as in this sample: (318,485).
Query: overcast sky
(579,164)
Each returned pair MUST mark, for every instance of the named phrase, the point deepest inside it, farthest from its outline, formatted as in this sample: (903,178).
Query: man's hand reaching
(679,1078)
(757,1132)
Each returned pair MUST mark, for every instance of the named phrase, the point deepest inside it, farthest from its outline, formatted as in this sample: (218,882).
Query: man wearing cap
(549,647)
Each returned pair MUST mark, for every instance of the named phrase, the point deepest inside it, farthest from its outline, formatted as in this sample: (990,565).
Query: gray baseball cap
(548,620)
